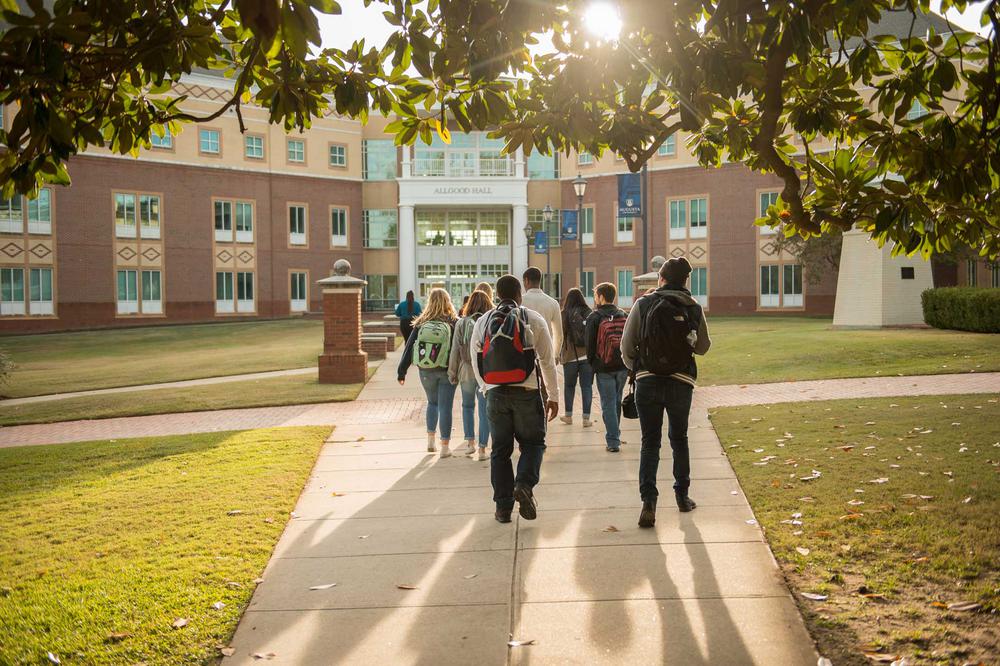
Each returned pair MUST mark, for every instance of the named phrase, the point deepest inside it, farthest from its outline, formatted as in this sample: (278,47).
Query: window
(432,271)
(699,218)
(552,284)
(224,303)
(669,147)
(791,294)
(297,225)
(338,227)
(587,225)
(253,146)
(995,275)
(462,229)
(699,285)
(11,215)
(11,291)
(625,286)
(209,141)
(40,213)
(378,159)
(584,158)
(493,270)
(767,199)
(224,221)
(917,111)
(151,300)
(338,155)
(124,215)
(149,216)
(587,284)
(769,288)
(379,228)
(244,222)
(624,232)
(494,229)
(128,295)
(297,151)
(381,292)
(907,273)
(165,141)
(244,292)
(543,166)
(298,294)
(432,229)
(971,277)
(678,219)
(536,218)
(41,291)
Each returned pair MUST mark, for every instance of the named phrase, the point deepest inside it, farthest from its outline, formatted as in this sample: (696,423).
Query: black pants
(515,413)
(653,397)
(406,327)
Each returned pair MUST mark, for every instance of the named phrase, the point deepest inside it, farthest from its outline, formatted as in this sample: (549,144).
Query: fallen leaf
(802,551)
(336,494)
(813,597)
(327,586)
(734,492)
(360,439)
(227,651)
(364,536)
(218,605)
(258,581)
(964,606)
(269,520)
(881,658)
(967,500)
(521,643)
(851,516)
(751,522)
(403,586)
(54,659)
(823,661)
(267,657)
(180,623)
(234,512)
(901,662)
(470,576)
(856,502)
(938,604)
(117,637)
(880,480)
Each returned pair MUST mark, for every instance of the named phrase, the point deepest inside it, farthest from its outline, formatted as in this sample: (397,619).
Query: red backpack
(507,356)
(609,341)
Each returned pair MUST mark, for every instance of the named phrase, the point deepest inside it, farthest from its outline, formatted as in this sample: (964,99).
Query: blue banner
(541,242)
(569,225)
(629,195)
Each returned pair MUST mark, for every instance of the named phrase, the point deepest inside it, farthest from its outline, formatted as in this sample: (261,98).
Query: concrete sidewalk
(583,581)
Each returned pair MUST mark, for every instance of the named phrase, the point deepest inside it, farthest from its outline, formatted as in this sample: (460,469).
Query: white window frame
(165,142)
(224,234)
(702,298)
(591,277)
(584,158)
(681,206)
(669,147)
(624,235)
(339,159)
(587,237)
(770,300)
(338,239)
(295,150)
(226,304)
(258,146)
(211,138)
(298,224)
(11,307)
(245,304)
(697,230)
(762,210)
(300,304)
(149,230)
(971,273)
(244,235)
(790,299)
(129,305)
(11,218)
(150,305)
(40,306)
(626,296)
(39,226)
(124,229)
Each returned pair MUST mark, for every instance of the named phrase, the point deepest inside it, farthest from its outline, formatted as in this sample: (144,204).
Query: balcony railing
(460,166)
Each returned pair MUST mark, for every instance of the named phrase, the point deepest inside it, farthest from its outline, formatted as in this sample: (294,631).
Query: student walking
(604,334)
(407,310)
(573,356)
(460,371)
(536,299)
(429,348)
(512,345)
(664,330)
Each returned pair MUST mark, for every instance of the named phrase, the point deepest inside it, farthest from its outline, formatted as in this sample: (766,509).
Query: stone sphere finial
(342,267)
(657,262)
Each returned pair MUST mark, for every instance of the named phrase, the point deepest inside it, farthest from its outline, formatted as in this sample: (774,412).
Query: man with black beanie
(665,328)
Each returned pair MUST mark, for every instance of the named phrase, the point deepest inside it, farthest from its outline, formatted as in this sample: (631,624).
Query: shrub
(963,308)
(6,367)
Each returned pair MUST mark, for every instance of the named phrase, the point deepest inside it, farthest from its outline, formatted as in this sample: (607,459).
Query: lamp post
(580,187)
(547,216)
(529,237)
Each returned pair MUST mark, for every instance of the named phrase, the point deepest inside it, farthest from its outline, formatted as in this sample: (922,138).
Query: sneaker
(613,449)
(445,451)
(567,419)
(470,447)
(502,515)
(647,517)
(587,422)
(684,503)
(525,501)
(481,454)
(430,443)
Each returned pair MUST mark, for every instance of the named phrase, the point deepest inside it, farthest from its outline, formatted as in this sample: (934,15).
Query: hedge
(963,308)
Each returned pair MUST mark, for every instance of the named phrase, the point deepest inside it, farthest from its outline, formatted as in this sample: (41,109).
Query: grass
(291,390)
(107,543)
(923,538)
(753,350)
(63,362)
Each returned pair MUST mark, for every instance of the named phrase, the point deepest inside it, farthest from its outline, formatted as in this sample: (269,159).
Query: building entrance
(461,248)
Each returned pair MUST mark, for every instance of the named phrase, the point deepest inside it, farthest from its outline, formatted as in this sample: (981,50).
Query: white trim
(228,167)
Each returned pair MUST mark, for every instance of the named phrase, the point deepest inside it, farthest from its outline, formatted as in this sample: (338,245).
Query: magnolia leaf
(521,643)
(403,586)
(326,586)
(227,651)
(179,623)
(470,576)
(218,605)
(964,606)
(610,528)
(234,512)
(881,658)
(813,596)
(265,656)
(802,551)
(54,659)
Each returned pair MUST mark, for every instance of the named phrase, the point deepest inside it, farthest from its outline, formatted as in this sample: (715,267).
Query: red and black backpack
(508,355)
(609,341)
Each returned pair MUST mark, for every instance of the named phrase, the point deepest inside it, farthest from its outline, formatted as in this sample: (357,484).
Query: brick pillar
(342,360)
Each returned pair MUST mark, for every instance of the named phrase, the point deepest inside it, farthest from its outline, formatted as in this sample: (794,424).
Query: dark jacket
(570,352)
(593,321)
(407,358)
(632,336)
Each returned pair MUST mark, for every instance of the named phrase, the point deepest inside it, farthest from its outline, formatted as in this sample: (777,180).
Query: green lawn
(106,544)
(63,362)
(753,350)
(904,509)
(293,390)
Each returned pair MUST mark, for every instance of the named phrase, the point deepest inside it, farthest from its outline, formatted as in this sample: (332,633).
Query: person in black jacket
(670,393)
(605,358)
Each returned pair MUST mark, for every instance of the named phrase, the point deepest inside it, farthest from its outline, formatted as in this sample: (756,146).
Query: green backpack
(433,345)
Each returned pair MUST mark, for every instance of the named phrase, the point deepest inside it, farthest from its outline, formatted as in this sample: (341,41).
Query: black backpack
(508,356)
(665,345)
(576,329)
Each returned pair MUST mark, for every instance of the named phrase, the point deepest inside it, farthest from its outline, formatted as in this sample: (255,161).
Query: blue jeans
(515,413)
(440,396)
(470,397)
(582,371)
(653,396)
(610,386)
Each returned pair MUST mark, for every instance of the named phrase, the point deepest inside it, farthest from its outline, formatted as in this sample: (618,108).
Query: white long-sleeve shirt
(545,353)
(548,307)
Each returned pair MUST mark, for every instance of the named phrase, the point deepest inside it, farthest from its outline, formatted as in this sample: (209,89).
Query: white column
(406,170)
(519,262)
(519,170)
(407,251)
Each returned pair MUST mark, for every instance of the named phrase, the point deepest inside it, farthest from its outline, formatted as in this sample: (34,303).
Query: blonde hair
(439,308)
(486,288)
